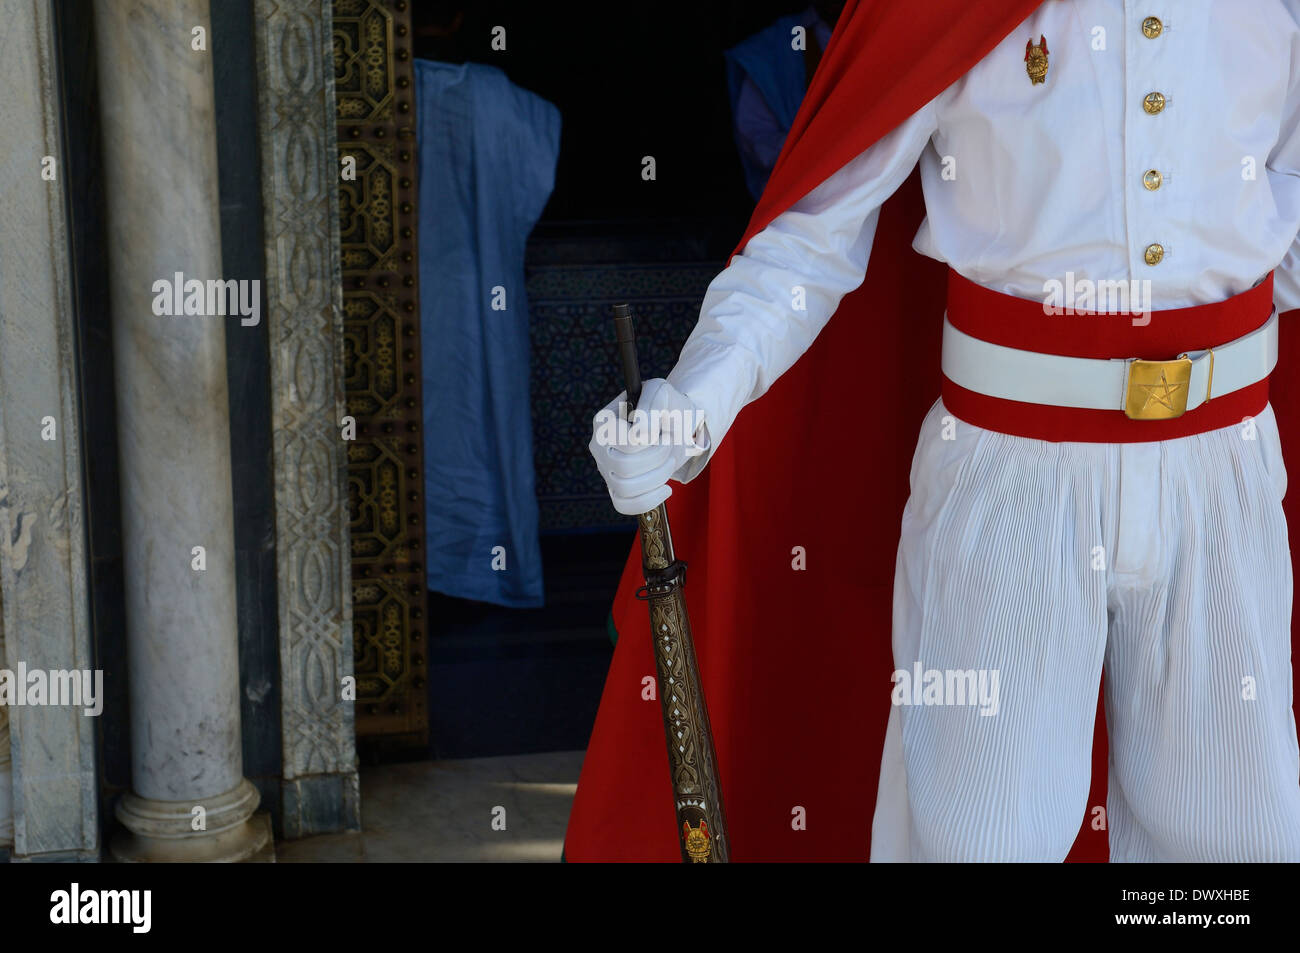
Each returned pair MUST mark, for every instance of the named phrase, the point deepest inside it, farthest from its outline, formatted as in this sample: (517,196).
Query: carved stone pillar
(160,166)
(47,754)
(295,81)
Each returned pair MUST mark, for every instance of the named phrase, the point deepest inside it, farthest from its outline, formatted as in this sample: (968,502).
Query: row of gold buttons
(1154,103)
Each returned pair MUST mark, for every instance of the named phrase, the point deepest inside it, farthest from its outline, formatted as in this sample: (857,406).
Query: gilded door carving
(374,91)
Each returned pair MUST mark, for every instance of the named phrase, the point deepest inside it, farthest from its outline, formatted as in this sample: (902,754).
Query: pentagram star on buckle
(1157,390)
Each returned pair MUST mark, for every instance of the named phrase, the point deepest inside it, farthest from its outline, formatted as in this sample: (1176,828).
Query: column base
(162,831)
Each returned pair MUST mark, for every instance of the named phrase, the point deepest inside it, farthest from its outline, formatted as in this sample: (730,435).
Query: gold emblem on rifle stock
(1036,60)
(697,841)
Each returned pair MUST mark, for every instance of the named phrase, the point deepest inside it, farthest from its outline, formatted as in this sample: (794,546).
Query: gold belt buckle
(1157,390)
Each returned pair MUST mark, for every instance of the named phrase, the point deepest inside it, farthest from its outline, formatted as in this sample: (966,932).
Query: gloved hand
(638,457)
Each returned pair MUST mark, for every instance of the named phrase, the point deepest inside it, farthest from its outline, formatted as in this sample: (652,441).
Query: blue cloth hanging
(487,154)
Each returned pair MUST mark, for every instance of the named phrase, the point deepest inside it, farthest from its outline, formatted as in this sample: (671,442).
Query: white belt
(1109,384)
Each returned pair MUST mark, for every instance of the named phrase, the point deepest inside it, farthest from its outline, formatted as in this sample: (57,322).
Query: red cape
(796,665)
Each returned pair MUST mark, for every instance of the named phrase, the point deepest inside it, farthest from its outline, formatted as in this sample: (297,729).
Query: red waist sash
(1025,324)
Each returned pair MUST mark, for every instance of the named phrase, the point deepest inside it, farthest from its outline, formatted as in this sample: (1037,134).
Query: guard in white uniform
(1167,155)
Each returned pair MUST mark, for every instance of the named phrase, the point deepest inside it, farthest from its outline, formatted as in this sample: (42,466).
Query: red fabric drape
(796,664)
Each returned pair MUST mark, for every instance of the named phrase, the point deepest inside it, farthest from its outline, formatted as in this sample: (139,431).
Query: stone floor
(452,811)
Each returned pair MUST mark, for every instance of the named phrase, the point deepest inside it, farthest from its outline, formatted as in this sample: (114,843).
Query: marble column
(160,166)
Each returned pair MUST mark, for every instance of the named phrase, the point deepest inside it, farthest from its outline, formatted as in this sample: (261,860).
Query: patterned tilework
(575,368)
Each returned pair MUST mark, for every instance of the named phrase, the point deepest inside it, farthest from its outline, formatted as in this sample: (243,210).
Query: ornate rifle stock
(697,793)
(701,823)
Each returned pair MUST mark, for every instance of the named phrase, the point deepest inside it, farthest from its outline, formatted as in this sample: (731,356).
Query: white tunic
(1025,183)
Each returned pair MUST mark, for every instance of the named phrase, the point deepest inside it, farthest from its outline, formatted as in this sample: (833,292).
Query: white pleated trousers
(1166,562)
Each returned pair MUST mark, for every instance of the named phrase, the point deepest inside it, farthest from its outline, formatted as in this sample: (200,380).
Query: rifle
(697,795)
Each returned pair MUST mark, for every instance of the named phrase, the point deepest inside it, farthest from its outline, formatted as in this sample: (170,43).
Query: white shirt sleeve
(1286,281)
(763,311)
(1285,160)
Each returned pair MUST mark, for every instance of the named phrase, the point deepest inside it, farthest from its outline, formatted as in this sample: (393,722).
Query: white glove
(638,458)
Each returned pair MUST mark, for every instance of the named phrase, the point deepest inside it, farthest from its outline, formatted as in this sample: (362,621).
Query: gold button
(1155,254)
(1152,27)
(1152,180)
(1154,103)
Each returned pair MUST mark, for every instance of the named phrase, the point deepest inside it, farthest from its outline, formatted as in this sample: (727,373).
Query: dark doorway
(631,81)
